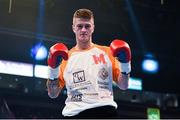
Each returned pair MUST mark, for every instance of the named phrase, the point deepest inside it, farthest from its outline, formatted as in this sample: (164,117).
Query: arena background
(151,27)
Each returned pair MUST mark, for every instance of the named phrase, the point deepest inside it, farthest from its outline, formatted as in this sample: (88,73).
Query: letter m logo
(99,59)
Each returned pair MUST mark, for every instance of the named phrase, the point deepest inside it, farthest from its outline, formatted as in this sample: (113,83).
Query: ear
(93,28)
(73,29)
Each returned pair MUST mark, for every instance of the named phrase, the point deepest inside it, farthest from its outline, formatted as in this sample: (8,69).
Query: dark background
(153,29)
(157,32)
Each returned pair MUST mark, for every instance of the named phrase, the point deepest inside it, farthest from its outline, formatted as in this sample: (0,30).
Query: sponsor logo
(104,87)
(77,98)
(103,73)
(77,85)
(103,83)
(79,76)
(91,94)
(99,59)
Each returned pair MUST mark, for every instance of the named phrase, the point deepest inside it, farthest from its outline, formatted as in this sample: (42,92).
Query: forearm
(57,52)
(122,81)
(121,50)
(53,88)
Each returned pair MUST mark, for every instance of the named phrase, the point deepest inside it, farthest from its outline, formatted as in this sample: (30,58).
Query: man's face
(83,29)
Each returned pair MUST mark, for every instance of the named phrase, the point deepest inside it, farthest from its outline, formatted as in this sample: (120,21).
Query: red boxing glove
(121,50)
(56,53)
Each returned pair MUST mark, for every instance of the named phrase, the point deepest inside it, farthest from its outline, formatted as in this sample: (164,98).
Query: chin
(83,40)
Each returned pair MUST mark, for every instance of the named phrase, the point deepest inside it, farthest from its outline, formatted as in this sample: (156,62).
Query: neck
(83,45)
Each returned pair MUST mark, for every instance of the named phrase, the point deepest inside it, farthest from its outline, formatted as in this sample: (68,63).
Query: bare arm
(53,88)
(121,50)
(122,81)
(57,52)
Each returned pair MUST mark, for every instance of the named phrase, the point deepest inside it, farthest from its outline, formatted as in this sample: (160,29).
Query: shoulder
(71,51)
(102,47)
(106,49)
(64,62)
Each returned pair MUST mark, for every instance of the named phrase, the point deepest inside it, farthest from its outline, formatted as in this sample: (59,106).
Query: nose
(83,28)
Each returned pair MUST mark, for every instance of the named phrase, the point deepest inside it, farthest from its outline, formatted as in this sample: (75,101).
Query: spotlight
(150,64)
(39,52)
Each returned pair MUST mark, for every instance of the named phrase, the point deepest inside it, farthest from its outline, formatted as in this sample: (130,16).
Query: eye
(79,26)
(87,26)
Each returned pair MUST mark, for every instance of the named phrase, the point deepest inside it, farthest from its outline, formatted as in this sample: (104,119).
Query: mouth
(83,35)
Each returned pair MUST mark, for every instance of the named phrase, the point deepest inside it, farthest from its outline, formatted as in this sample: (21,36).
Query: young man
(88,71)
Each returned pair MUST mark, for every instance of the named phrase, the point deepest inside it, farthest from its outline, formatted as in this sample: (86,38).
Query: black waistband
(104,112)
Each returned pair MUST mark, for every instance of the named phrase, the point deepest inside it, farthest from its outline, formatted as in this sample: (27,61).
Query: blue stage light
(39,52)
(150,65)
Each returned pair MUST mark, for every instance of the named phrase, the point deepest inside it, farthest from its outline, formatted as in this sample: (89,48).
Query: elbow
(52,96)
(123,82)
(124,87)
(53,92)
